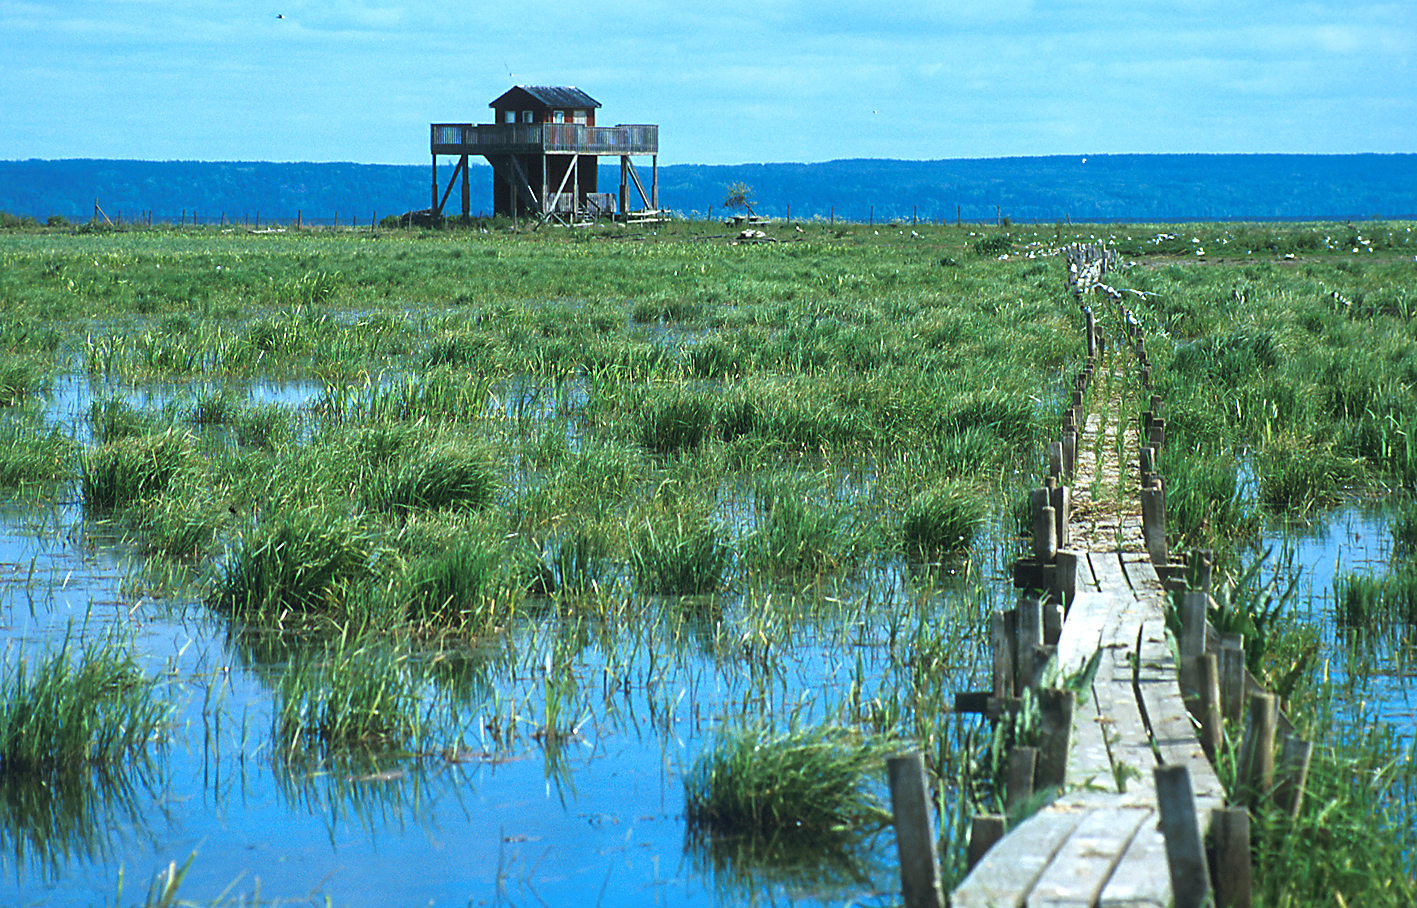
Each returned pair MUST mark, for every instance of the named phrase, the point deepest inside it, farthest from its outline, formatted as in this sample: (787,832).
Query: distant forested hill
(1100,187)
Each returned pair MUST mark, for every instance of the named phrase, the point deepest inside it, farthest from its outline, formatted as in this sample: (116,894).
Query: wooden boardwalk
(1098,842)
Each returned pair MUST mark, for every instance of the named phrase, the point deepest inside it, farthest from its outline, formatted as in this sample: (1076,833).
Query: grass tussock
(801,782)
(942,520)
(358,693)
(83,707)
(131,469)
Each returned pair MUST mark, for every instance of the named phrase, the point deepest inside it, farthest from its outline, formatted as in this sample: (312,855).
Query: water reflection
(847,867)
(78,815)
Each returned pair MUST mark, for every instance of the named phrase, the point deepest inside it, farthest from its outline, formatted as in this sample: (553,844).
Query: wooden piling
(1030,637)
(1061,499)
(1292,775)
(1232,676)
(1185,855)
(1003,656)
(1230,828)
(915,840)
(1212,725)
(1065,577)
(1056,709)
(1256,768)
(1023,763)
(1045,526)
(984,831)
(1193,606)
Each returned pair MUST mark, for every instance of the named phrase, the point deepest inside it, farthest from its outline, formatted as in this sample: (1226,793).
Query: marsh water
(562,782)
(570,738)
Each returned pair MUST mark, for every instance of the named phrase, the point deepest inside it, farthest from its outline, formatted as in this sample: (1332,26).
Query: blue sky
(730,81)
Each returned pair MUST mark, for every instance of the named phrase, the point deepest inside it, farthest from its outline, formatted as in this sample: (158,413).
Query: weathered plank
(1084,863)
(1006,874)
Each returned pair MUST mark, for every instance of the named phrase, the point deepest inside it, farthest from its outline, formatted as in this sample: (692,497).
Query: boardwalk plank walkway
(1098,843)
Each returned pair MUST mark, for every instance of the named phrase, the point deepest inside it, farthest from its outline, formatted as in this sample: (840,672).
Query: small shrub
(997,244)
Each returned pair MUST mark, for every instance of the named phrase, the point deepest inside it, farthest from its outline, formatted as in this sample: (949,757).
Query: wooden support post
(915,840)
(1061,498)
(1193,605)
(1003,655)
(1056,708)
(1293,775)
(1065,578)
(984,831)
(1153,523)
(1045,526)
(1023,763)
(1185,855)
(1212,726)
(1052,623)
(1230,828)
(1091,331)
(1030,637)
(466,189)
(1232,676)
(1156,435)
(1055,459)
(1256,768)
(1070,452)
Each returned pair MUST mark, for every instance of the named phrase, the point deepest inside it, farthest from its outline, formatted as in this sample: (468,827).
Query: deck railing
(547,138)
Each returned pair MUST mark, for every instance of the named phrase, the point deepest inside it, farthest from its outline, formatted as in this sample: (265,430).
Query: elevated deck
(543,138)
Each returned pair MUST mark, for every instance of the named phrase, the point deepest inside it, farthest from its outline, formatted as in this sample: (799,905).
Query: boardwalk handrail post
(915,840)
(1185,854)
(1292,775)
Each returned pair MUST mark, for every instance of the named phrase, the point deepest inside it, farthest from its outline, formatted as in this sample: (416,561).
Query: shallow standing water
(509,816)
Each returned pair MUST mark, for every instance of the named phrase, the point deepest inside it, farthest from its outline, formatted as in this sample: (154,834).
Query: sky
(729,81)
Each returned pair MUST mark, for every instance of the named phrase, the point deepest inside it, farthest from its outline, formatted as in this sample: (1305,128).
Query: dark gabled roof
(546,96)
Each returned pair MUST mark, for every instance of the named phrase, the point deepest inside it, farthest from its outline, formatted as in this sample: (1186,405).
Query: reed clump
(84,707)
(131,468)
(357,693)
(811,781)
(942,520)
(306,563)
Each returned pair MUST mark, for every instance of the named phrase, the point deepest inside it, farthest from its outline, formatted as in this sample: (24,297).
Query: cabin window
(509,116)
(578,116)
(558,116)
(526,116)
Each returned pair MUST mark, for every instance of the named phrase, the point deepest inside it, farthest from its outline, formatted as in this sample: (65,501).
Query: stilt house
(543,147)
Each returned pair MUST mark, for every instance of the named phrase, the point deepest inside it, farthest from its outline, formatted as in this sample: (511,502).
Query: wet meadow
(488,565)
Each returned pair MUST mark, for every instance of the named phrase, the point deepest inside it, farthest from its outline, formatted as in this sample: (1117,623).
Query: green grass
(84,707)
(804,782)
(358,693)
(942,520)
(131,469)
(678,556)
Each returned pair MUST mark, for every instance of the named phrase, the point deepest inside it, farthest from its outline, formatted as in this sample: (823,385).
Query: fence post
(919,867)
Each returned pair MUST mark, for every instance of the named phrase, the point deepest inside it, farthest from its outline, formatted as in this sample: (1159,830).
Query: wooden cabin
(544,146)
